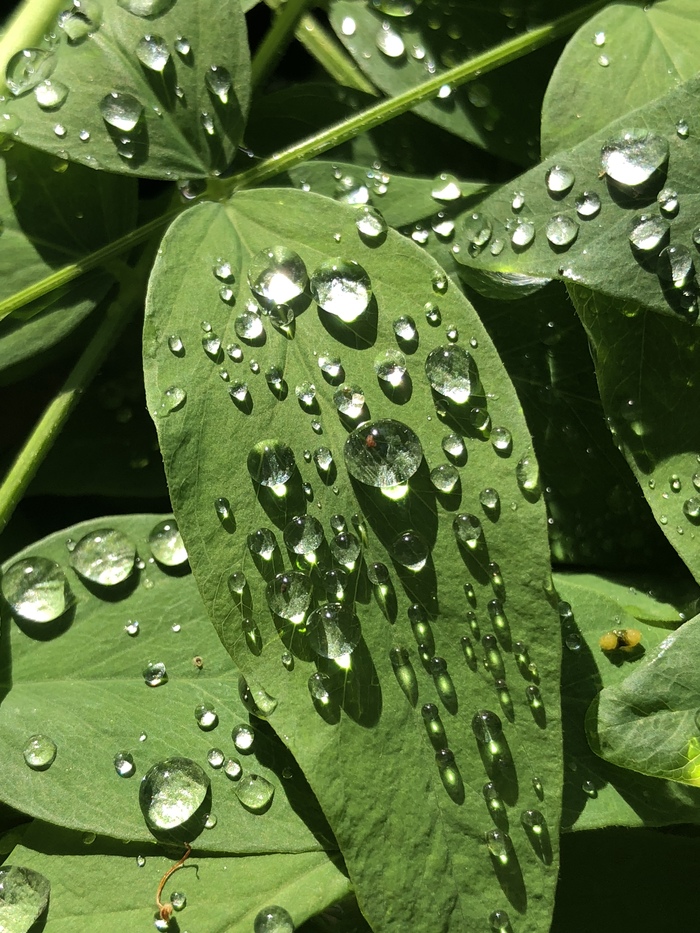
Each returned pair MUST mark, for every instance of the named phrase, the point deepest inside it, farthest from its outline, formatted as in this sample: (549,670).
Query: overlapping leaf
(79,680)
(364,750)
(153,89)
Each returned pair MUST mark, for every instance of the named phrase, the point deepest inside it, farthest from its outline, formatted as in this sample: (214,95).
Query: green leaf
(624,57)
(365,751)
(601,258)
(597,792)
(38,195)
(500,111)
(647,722)
(401,199)
(99,883)
(79,680)
(165,121)
(649,405)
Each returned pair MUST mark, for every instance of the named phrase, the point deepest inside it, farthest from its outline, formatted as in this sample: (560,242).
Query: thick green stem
(330,55)
(115,317)
(387,109)
(276,40)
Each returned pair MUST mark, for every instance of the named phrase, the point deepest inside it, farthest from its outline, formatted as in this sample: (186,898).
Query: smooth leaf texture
(53,214)
(624,57)
(500,111)
(649,722)
(365,751)
(167,122)
(121,893)
(644,364)
(84,688)
(401,199)
(601,258)
(598,793)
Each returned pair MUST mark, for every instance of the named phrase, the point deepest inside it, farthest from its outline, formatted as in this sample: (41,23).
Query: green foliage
(275,340)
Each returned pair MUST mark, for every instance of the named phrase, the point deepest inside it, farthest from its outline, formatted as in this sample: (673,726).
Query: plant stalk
(330,55)
(276,40)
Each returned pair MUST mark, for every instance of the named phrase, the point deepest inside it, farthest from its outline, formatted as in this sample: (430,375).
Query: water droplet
(634,158)
(232,769)
(277,275)
(588,205)
(182,46)
(262,543)
(389,42)
(444,477)
(155,674)
(175,344)
(345,549)
(501,439)
(255,793)
(559,180)
(273,919)
(487,727)
(249,325)
(215,757)
(306,393)
(453,446)
(493,659)
(271,463)
(50,95)
(342,288)
(534,699)
(404,673)
(494,803)
(28,68)
(603,61)
(648,234)
(146,8)
(405,329)
(349,400)
(382,453)
(675,265)
(153,52)
(36,589)
(178,900)
(667,200)
(589,788)
(218,80)
(477,228)
(561,231)
(166,544)
(243,738)
(173,400)
(206,717)
(348,26)
(333,630)
(500,922)
(370,223)
(24,897)
(691,508)
(39,752)
(105,556)
(523,234)
(468,530)
(238,391)
(499,845)
(121,111)
(682,129)
(289,596)
(433,725)
(432,314)
(303,535)
(527,474)
(411,550)
(172,793)
(451,373)
(490,500)
(439,281)
(390,366)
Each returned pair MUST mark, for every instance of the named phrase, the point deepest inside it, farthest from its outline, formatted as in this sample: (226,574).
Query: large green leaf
(624,57)
(181,76)
(601,257)
(649,721)
(53,214)
(79,680)
(364,750)
(644,364)
(100,883)
(500,111)
(598,793)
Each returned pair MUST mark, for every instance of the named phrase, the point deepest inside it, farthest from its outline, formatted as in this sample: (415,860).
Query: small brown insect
(198,662)
(370,441)
(620,639)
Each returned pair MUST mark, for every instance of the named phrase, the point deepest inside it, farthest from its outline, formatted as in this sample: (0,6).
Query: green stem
(100,257)
(319,43)
(276,40)
(31,22)
(56,413)
(387,109)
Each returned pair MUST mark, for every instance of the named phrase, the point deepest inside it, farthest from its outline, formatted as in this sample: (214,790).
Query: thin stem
(166,910)
(101,257)
(387,109)
(331,56)
(56,413)
(276,40)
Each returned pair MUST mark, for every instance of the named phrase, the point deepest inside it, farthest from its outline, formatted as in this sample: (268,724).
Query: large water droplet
(277,275)
(153,52)
(559,180)
(523,234)
(675,266)
(39,752)
(390,366)
(451,373)
(218,80)
(588,205)
(333,630)
(446,188)
(50,95)
(468,530)
(370,223)
(271,463)
(561,231)
(349,400)
(633,158)
(273,919)
(389,42)
(648,234)
(105,556)
(24,896)
(411,550)
(289,596)
(36,589)
(165,542)
(341,287)
(146,8)
(303,535)
(172,793)
(28,68)
(477,228)
(121,111)
(382,453)
(486,726)
(255,793)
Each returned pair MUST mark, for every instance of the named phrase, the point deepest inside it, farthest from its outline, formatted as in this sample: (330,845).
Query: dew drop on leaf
(411,550)
(648,233)
(277,275)
(333,630)
(477,228)
(36,589)
(124,764)
(243,738)
(218,80)
(451,373)
(389,42)
(446,188)
(146,8)
(468,530)
(561,231)
(121,111)
(50,95)
(153,52)
(273,919)
(255,793)
(155,674)
(271,463)
(28,68)
(342,288)
(173,399)
(444,477)
(588,205)
(39,752)
(233,769)
(634,158)
(303,535)
(104,556)
(370,224)
(172,793)
(382,453)
(559,180)
(405,328)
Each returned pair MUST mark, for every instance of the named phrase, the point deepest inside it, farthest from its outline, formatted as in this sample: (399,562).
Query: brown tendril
(166,910)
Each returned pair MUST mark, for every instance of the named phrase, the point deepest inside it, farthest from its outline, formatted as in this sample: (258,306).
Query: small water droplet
(499,845)
(304,535)
(588,205)
(50,95)
(389,42)
(500,922)
(451,373)
(273,919)
(411,550)
(370,223)
(446,188)
(124,764)
(634,158)
(561,231)
(502,439)
(166,544)
(468,530)
(121,111)
(390,367)
(342,288)
(691,508)
(490,500)
(206,717)
(349,400)
(153,52)
(667,200)
(262,543)
(218,81)
(173,399)
(155,674)
(477,228)
(444,477)
(243,738)
(675,265)
(232,769)
(215,757)
(682,129)
(40,752)
(523,234)
(589,788)
(559,180)
(405,329)
(348,26)
(333,631)
(277,275)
